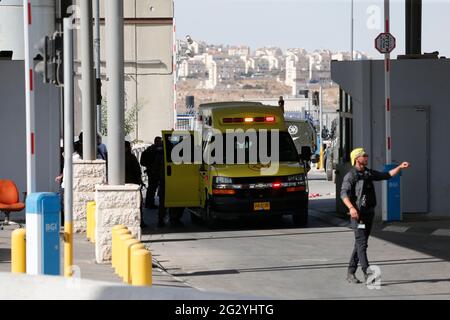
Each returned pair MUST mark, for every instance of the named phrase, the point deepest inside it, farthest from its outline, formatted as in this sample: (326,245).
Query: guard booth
(420,90)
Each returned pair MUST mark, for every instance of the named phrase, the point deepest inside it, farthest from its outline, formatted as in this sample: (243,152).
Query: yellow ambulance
(240,162)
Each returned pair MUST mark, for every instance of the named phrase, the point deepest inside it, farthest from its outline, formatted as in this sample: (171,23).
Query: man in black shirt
(149,161)
(358,194)
(133,173)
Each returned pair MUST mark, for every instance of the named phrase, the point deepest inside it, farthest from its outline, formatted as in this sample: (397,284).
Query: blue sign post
(392,204)
(43,239)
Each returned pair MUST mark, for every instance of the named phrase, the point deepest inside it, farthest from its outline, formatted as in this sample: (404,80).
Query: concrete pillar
(86,176)
(88,84)
(116,205)
(116,103)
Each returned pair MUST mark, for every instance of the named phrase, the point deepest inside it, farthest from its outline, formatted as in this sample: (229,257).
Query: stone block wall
(86,176)
(116,205)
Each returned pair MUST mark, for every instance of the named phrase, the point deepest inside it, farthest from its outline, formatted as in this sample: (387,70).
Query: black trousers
(162,208)
(359,254)
(153,182)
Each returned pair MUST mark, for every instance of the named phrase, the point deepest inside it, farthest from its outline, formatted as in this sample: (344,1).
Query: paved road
(279,261)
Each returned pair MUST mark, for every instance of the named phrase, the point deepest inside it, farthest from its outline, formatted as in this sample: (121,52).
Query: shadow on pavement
(247,236)
(305,267)
(397,282)
(247,224)
(422,242)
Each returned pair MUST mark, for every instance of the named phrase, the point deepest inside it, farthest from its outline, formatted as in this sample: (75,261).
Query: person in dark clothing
(358,194)
(148,161)
(157,172)
(281,104)
(133,174)
(102,152)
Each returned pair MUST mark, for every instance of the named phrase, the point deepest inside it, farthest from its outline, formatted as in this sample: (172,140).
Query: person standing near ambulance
(358,194)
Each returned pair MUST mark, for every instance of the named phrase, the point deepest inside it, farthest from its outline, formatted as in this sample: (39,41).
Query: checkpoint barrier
(43,234)
(130,259)
(18,251)
(90,217)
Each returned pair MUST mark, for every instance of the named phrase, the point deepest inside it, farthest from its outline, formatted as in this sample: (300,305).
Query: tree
(131,118)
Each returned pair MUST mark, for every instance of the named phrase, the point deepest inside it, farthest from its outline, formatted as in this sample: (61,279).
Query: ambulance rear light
(276,185)
(224,192)
(269,119)
(296,189)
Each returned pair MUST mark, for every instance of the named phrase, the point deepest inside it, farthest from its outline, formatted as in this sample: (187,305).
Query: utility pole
(352,25)
(98,66)
(68,146)
(321,114)
(116,108)
(387,81)
(87,85)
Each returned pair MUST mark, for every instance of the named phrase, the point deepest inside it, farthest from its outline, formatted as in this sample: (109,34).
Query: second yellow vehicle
(240,162)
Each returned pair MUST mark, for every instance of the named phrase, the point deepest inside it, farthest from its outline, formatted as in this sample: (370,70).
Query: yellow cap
(358,152)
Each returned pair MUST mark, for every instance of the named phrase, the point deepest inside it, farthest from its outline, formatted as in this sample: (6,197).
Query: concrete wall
(149,74)
(13,129)
(414,83)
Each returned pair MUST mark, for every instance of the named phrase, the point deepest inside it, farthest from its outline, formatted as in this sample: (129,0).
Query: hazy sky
(310,24)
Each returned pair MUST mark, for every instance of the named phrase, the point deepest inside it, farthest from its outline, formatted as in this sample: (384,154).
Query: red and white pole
(29,97)
(387,81)
(175,73)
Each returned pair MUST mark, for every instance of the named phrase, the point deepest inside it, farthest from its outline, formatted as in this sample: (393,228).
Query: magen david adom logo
(293,129)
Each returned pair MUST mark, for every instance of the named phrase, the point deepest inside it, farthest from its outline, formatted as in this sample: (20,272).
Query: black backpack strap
(359,188)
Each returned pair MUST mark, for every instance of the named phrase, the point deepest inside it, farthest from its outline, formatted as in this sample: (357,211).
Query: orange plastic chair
(9,202)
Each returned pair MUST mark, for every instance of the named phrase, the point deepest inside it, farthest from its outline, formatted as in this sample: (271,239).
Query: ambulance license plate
(261,206)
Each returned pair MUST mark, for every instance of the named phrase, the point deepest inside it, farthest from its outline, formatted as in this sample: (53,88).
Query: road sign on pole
(385,42)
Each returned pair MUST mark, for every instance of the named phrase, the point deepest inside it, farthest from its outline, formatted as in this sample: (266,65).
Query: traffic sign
(385,43)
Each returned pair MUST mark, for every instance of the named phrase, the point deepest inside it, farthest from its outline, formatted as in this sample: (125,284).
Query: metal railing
(185,122)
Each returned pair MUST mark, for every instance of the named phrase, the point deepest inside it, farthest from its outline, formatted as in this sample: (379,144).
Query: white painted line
(442,233)
(396,229)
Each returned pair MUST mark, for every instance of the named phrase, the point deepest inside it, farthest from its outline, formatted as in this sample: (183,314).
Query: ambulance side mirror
(306,154)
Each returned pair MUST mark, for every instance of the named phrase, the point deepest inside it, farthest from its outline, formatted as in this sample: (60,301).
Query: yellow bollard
(68,249)
(18,251)
(94,222)
(115,248)
(134,248)
(320,162)
(127,259)
(90,217)
(114,233)
(141,268)
(120,256)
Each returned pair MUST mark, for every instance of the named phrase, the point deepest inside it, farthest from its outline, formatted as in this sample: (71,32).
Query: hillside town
(223,72)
